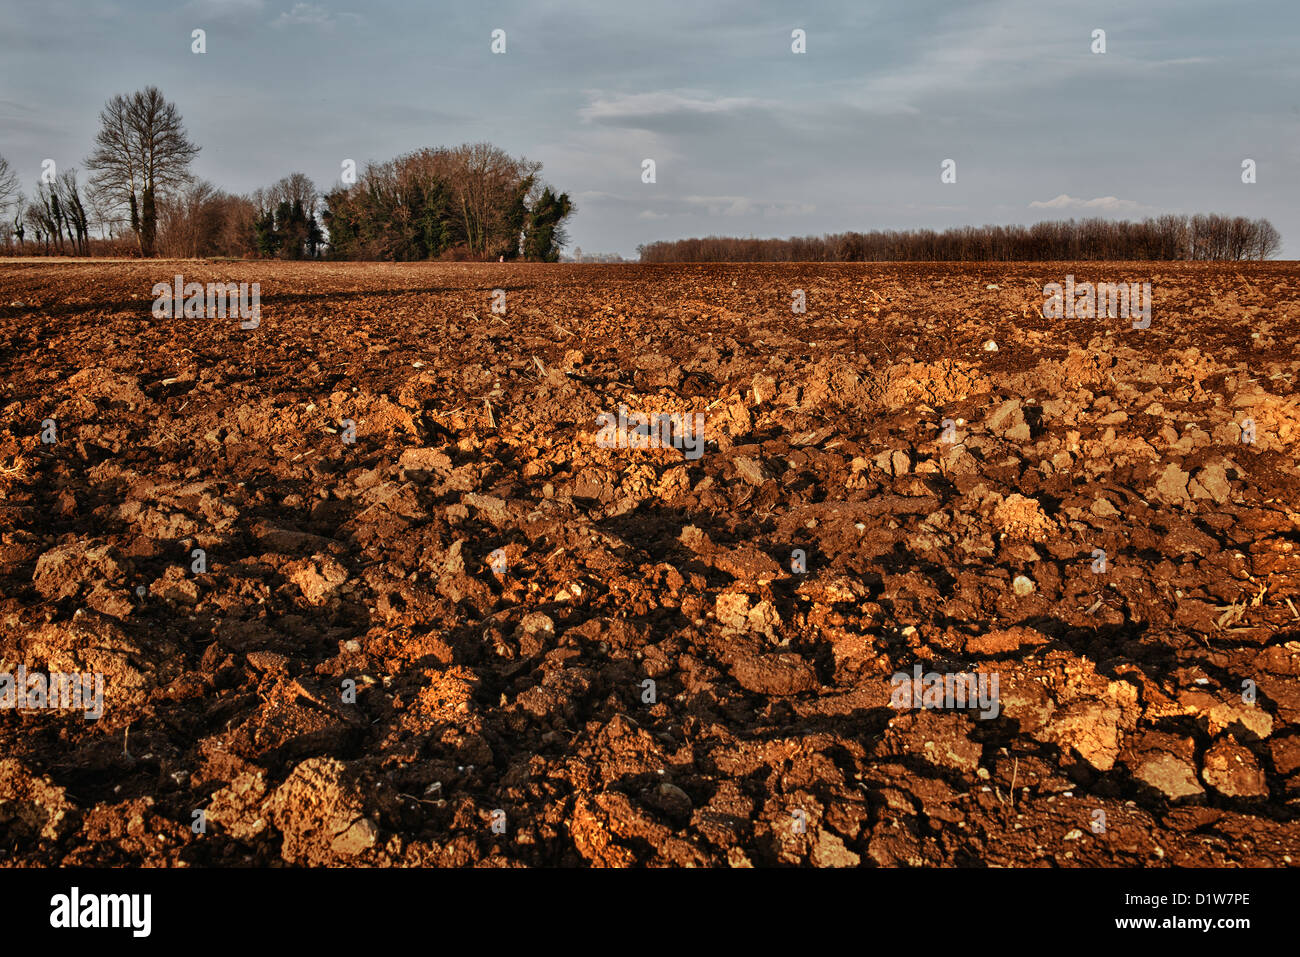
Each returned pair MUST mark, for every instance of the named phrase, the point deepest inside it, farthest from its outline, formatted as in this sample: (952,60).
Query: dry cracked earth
(475,636)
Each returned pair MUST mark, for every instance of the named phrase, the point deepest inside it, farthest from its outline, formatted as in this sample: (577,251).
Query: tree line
(141,198)
(1168,237)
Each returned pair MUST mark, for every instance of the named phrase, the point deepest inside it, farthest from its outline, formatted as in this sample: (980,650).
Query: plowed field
(365,586)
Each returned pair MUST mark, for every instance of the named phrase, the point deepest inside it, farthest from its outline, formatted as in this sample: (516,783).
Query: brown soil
(524,692)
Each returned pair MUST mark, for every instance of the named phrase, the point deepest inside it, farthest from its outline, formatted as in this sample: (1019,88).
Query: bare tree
(490,188)
(117,172)
(58,216)
(75,218)
(295,188)
(236,226)
(142,154)
(8,185)
(105,214)
(43,215)
(11,206)
(1267,240)
(187,220)
(19,228)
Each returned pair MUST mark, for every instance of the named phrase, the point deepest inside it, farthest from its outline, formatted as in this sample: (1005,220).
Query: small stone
(830,851)
(1090,727)
(670,799)
(1022,586)
(1211,482)
(764,618)
(732,611)
(1233,771)
(237,808)
(990,346)
(1172,484)
(1167,767)
(360,836)
(535,622)
(1102,508)
(1008,420)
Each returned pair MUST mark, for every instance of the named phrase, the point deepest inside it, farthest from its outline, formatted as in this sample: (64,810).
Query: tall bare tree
(142,154)
(45,215)
(8,185)
(18,228)
(76,221)
(10,218)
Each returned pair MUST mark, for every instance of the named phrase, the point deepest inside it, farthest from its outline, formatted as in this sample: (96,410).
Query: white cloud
(745,206)
(1105,203)
(311,15)
(660,103)
(723,205)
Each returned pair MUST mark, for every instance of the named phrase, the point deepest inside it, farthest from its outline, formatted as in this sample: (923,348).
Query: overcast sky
(748,137)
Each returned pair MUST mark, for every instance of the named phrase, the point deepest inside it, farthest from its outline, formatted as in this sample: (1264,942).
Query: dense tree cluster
(286,224)
(473,201)
(1167,237)
(468,202)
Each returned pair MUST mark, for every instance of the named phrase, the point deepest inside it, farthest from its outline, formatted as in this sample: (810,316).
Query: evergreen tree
(544,236)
